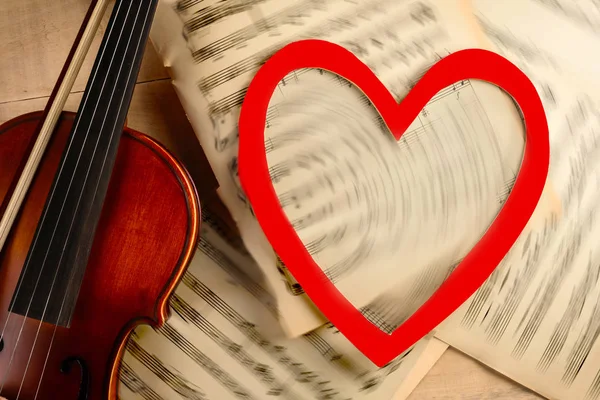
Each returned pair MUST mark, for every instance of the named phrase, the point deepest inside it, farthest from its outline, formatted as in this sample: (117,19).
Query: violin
(98,224)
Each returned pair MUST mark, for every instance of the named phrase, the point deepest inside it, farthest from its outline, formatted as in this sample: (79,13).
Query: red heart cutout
(476,267)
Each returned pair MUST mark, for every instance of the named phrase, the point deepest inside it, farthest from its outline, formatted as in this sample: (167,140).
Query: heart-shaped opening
(332,207)
(387,220)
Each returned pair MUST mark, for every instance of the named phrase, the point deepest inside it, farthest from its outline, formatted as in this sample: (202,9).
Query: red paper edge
(476,64)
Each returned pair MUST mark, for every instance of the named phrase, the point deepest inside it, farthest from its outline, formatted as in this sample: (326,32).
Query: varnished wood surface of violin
(144,240)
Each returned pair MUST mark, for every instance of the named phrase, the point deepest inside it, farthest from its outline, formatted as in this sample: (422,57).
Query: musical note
(292,285)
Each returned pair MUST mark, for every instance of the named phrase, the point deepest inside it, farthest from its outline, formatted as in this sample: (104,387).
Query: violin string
(111,97)
(94,74)
(98,181)
(46,210)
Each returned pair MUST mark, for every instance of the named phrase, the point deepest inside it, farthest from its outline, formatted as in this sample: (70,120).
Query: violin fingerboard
(51,278)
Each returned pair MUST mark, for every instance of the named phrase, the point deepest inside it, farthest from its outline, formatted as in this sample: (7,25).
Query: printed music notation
(224,231)
(550,349)
(355,206)
(170,377)
(238,73)
(537,318)
(574,31)
(218,345)
(399,41)
(528,55)
(581,12)
(291,283)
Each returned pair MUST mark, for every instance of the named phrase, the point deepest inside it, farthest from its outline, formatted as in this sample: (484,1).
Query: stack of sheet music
(392,219)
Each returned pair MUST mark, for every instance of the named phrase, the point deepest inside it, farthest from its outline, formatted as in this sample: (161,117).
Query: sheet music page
(537,319)
(221,343)
(427,359)
(585,13)
(433,188)
(567,29)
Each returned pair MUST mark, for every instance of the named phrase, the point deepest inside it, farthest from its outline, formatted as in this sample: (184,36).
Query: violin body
(145,238)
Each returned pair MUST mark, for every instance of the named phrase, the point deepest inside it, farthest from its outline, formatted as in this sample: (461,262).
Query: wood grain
(35,37)
(146,237)
(456,376)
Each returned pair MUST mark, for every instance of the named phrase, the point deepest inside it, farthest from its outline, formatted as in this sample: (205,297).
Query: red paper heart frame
(476,267)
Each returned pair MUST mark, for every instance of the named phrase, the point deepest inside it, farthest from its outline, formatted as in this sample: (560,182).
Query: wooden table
(35,38)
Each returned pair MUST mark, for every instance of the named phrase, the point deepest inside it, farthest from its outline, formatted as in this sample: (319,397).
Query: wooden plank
(35,39)
(456,376)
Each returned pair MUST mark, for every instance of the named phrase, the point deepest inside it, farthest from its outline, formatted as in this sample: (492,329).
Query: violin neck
(54,268)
